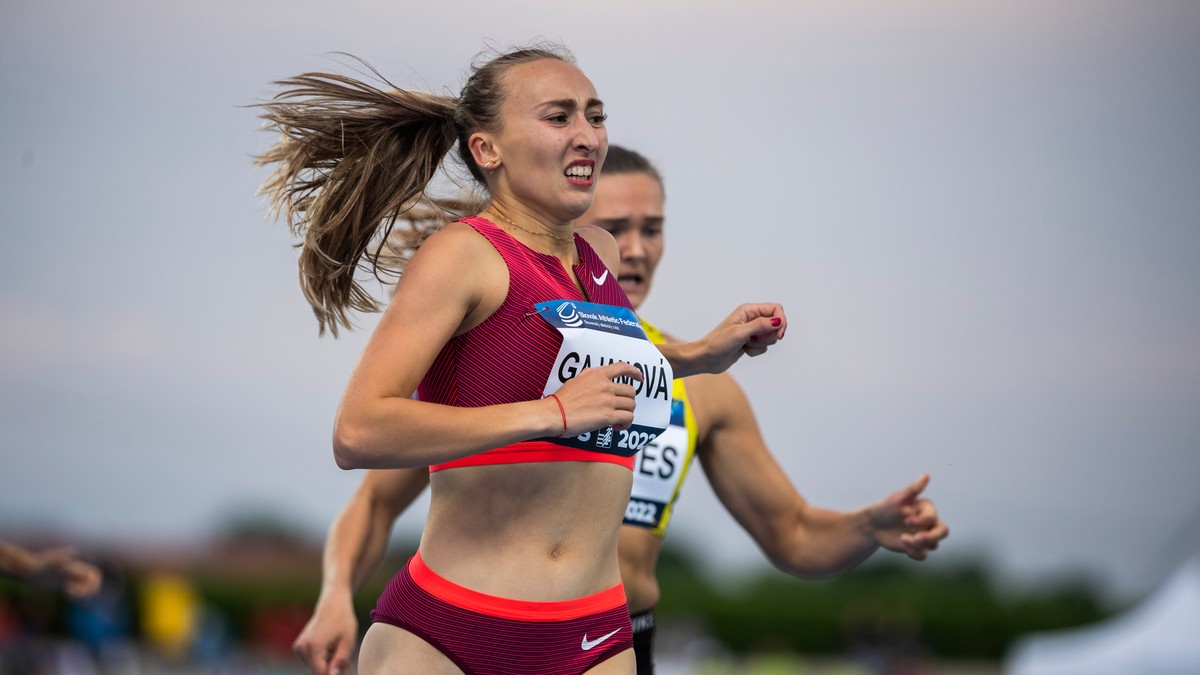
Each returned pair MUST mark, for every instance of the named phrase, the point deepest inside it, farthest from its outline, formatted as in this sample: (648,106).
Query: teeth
(580,171)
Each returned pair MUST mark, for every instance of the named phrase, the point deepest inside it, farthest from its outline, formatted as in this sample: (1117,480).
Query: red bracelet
(562,412)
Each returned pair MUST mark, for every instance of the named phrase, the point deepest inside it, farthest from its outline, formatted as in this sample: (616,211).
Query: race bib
(596,335)
(657,473)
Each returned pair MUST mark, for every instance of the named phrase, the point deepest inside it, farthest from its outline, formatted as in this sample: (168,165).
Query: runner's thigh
(621,664)
(395,651)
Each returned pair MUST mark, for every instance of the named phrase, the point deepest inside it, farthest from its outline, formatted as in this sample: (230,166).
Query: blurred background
(982,219)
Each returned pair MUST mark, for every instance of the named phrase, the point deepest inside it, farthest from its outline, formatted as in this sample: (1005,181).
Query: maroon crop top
(508,357)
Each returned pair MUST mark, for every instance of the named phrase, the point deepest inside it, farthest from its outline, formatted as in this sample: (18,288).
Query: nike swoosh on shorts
(589,644)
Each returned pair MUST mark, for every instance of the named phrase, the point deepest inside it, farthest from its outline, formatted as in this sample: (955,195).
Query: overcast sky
(983,219)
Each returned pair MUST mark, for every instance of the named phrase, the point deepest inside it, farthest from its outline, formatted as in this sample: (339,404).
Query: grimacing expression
(552,140)
(630,207)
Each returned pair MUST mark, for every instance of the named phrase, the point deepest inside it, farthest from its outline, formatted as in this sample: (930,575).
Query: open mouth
(580,173)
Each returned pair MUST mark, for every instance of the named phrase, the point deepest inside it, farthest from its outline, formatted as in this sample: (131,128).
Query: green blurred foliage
(950,612)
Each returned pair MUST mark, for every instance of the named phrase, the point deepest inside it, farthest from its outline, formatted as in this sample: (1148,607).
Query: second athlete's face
(630,207)
(552,139)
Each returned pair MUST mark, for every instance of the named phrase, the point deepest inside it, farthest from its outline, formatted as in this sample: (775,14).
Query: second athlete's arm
(797,537)
(354,547)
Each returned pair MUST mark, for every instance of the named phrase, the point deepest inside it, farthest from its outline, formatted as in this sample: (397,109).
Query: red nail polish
(775,321)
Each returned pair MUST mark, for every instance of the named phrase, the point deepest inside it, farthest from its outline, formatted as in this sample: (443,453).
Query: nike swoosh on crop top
(508,357)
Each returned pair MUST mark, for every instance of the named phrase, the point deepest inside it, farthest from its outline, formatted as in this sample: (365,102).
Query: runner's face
(552,139)
(630,207)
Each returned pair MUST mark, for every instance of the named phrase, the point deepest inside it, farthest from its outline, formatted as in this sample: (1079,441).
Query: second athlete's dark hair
(621,160)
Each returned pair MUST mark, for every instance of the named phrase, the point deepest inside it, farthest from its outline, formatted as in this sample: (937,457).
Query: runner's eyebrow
(571,104)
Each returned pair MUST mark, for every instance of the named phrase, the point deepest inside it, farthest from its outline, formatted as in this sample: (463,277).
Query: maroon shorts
(486,635)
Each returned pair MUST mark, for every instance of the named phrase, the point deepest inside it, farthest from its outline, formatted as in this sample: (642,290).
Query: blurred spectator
(103,623)
(170,613)
(884,641)
(57,568)
(275,626)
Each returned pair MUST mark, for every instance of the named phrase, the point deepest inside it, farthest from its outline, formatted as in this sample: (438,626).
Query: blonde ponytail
(353,159)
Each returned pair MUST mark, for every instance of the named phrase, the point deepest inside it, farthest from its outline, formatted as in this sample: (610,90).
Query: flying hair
(354,157)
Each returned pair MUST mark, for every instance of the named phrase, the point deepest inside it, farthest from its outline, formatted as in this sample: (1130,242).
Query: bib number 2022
(634,440)
(643,513)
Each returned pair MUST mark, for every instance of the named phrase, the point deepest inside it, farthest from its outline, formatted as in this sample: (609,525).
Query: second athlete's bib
(661,467)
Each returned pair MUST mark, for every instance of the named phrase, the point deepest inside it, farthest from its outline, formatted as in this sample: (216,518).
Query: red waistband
(521,610)
(533,451)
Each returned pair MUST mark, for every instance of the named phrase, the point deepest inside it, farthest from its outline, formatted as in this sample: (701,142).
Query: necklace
(555,237)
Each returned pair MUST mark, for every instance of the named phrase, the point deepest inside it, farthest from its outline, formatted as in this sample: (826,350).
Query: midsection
(542,531)
(638,550)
